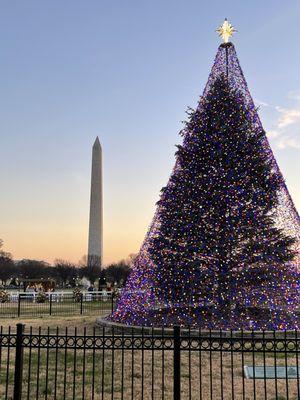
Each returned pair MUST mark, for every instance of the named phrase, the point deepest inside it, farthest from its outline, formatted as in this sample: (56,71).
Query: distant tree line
(65,273)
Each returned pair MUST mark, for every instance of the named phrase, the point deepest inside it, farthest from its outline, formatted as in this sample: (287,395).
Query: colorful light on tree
(223,248)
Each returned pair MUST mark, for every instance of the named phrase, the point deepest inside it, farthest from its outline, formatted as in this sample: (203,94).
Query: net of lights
(223,249)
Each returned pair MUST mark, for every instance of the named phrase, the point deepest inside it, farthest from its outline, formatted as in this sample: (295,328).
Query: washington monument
(95,247)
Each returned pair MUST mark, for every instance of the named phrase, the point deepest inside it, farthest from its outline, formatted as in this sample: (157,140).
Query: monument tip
(97,142)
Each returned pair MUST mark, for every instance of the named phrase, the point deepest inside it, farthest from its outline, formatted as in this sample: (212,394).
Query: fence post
(18,363)
(19,305)
(81,304)
(50,308)
(176,361)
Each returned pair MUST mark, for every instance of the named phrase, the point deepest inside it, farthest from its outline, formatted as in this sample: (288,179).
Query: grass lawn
(62,322)
(68,308)
(54,373)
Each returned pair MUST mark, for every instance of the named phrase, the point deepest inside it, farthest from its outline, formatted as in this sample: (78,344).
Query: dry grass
(79,321)
(68,308)
(55,374)
(78,377)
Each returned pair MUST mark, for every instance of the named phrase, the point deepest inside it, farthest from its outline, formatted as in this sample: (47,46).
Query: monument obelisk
(95,246)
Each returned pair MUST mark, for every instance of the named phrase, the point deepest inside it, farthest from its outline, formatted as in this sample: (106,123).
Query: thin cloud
(288,117)
(261,103)
(287,124)
(286,141)
(294,95)
(273,134)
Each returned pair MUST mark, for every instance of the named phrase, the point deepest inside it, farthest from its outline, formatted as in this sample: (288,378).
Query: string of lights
(223,249)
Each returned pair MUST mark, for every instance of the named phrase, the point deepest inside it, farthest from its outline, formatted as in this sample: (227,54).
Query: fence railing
(153,364)
(57,303)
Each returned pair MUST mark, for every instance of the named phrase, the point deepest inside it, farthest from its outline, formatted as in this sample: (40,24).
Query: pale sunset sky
(125,70)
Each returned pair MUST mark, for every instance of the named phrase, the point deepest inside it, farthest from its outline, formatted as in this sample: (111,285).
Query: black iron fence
(57,303)
(153,364)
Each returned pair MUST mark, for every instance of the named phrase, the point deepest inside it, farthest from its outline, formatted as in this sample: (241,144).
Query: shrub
(41,297)
(4,296)
(77,294)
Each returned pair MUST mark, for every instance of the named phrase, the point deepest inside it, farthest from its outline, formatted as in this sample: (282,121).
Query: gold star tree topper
(226,30)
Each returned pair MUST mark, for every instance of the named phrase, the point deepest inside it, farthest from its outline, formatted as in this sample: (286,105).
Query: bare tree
(90,268)
(90,261)
(8,269)
(117,272)
(66,272)
(34,269)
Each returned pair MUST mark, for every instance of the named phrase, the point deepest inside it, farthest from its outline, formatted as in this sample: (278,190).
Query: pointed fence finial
(226,30)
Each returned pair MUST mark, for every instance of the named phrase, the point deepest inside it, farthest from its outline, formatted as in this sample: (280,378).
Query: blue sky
(125,71)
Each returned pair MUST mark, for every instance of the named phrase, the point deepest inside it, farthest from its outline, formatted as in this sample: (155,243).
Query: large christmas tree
(223,248)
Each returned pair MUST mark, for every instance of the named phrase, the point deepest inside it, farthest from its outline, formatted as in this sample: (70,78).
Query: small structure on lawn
(46,285)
